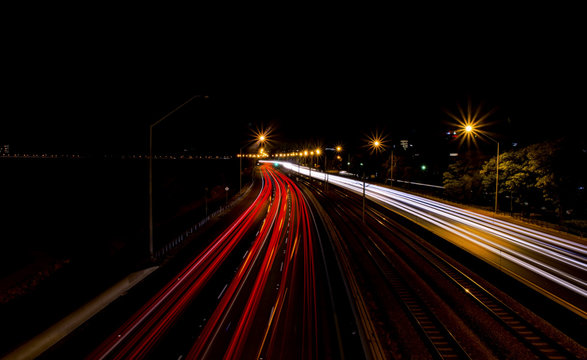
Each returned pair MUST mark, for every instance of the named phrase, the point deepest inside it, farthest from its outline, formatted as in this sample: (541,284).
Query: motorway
(300,272)
(554,265)
(423,301)
(260,289)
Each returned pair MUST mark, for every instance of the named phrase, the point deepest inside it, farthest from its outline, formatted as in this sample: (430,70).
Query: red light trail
(286,226)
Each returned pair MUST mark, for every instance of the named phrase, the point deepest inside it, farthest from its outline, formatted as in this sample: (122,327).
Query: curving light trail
(241,325)
(554,265)
(137,336)
(283,228)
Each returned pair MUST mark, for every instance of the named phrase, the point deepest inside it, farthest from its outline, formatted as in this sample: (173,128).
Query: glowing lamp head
(468,128)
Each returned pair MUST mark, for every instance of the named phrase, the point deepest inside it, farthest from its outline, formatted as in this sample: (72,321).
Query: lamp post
(151,252)
(338,149)
(470,130)
(318,153)
(375,144)
(305,153)
(311,164)
(261,138)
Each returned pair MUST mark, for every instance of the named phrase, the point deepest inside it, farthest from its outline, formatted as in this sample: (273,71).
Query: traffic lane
(559,276)
(146,327)
(255,314)
(541,273)
(569,251)
(279,297)
(567,255)
(222,328)
(92,333)
(294,334)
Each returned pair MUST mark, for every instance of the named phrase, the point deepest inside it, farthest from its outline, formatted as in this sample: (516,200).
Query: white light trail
(551,259)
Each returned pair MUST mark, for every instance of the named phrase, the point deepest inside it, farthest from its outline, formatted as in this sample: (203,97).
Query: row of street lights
(261,138)
(375,143)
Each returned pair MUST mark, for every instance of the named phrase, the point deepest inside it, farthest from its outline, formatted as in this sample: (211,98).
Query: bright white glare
(550,258)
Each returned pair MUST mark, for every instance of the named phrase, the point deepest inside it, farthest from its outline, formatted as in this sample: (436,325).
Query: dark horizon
(226,120)
(100,94)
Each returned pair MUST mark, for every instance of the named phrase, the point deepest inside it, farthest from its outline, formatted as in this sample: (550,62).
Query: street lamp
(311,164)
(375,144)
(151,253)
(305,160)
(261,137)
(318,153)
(338,149)
(470,130)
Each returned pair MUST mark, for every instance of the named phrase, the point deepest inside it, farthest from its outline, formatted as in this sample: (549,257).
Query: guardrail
(183,236)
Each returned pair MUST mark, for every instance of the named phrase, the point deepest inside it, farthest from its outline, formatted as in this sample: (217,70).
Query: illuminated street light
(338,148)
(470,130)
(261,137)
(376,143)
(469,123)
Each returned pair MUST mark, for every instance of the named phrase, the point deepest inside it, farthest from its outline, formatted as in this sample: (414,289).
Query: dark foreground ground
(73,227)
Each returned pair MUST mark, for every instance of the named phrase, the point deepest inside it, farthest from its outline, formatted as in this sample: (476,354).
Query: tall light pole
(375,144)
(151,252)
(338,149)
(469,129)
(311,164)
(261,138)
(318,153)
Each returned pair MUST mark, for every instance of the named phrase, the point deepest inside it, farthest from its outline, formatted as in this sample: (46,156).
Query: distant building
(5,149)
(404,144)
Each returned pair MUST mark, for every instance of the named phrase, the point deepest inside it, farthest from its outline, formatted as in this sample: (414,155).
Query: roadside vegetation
(544,181)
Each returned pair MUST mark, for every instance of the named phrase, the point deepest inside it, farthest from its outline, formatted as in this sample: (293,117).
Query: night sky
(93,82)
